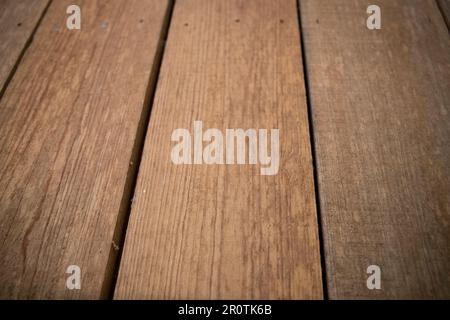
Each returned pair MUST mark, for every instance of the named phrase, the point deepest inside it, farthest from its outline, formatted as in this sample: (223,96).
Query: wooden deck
(87,176)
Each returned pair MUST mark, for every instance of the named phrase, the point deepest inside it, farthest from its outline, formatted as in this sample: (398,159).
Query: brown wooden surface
(380,104)
(225,231)
(18,20)
(444,5)
(68,124)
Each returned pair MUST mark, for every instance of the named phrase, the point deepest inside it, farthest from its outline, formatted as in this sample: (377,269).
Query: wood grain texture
(18,20)
(380,103)
(68,125)
(225,231)
(444,5)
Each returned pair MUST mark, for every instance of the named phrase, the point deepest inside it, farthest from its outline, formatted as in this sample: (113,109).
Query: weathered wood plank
(68,125)
(380,104)
(18,20)
(226,231)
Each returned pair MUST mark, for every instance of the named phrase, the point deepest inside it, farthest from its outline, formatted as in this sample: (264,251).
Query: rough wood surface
(226,231)
(380,104)
(18,20)
(68,124)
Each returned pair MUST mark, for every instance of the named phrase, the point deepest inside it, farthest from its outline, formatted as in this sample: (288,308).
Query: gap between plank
(313,153)
(443,14)
(24,49)
(112,271)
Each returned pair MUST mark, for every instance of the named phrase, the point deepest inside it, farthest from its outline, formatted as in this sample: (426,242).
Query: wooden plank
(380,103)
(70,118)
(444,5)
(18,20)
(226,231)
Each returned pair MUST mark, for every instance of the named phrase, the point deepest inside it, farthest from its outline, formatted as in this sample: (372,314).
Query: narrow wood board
(226,231)
(68,127)
(380,107)
(444,5)
(18,20)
